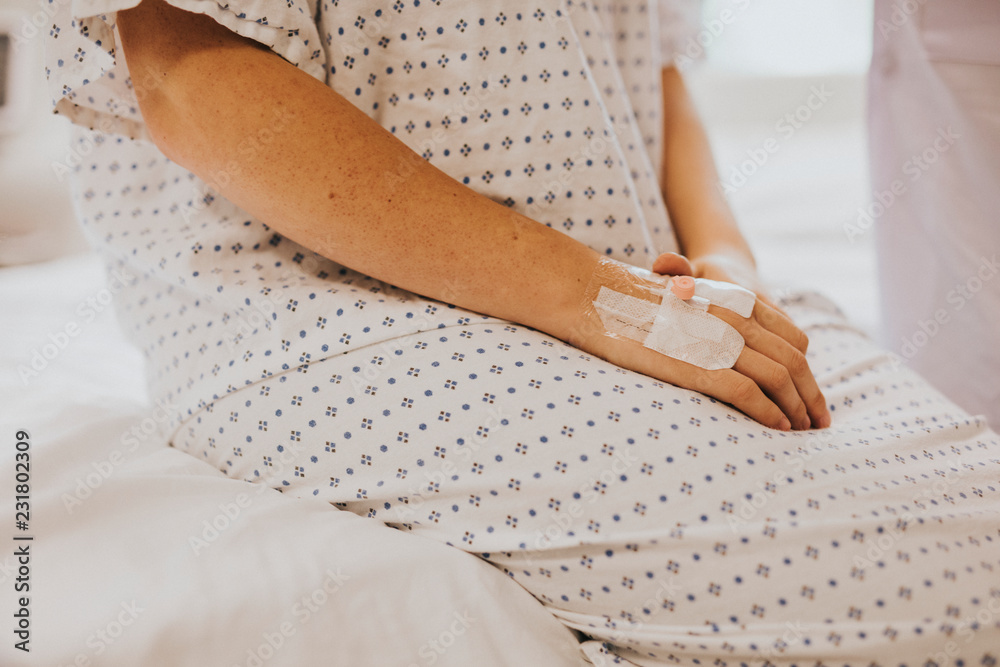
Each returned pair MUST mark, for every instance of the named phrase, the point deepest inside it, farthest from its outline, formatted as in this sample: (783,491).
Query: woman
(339,218)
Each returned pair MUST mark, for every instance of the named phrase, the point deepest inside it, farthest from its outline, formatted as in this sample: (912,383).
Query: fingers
(794,362)
(672,264)
(757,386)
(727,385)
(776,382)
(778,323)
(773,360)
(732,386)
(745,394)
(769,302)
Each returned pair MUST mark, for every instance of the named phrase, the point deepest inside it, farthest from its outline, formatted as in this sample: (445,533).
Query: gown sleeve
(679,24)
(90,82)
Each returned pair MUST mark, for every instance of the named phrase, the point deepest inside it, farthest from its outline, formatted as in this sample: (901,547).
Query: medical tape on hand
(679,329)
(727,295)
(669,318)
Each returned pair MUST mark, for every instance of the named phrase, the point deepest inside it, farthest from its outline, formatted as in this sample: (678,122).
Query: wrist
(620,277)
(712,232)
(722,252)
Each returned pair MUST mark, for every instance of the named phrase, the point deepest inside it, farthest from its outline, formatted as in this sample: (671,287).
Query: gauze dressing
(656,318)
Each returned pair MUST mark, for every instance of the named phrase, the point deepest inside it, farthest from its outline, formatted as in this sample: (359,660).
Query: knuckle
(818,402)
(797,364)
(779,377)
(744,390)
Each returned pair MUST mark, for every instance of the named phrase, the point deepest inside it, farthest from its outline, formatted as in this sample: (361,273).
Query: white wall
(793,37)
(790,75)
(36,215)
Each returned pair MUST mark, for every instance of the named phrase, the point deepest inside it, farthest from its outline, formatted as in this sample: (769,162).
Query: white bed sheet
(127,568)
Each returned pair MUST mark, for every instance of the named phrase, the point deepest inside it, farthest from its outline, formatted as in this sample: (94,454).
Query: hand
(771,381)
(725,267)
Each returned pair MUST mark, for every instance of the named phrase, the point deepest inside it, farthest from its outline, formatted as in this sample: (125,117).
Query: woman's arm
(705,226)
(330,180)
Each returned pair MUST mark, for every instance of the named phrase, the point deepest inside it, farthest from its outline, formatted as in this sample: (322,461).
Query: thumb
(672,264)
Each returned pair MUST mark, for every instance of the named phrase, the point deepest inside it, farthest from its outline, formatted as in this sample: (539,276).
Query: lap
(642,513)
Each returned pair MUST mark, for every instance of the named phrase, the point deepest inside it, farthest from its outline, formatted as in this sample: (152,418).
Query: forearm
(331,178)
(699,212)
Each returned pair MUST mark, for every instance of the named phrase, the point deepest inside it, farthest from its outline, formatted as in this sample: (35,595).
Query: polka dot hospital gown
(666,526)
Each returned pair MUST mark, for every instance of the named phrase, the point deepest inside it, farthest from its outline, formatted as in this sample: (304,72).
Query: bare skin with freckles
(428,233)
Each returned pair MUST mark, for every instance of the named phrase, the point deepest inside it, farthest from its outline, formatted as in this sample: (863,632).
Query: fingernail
(785,425)
(825,421)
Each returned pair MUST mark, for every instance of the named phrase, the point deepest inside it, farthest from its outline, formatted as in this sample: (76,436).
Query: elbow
(165,80)
(161,125)
(166,114)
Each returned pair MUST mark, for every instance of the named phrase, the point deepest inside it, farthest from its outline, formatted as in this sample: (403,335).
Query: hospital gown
(665,526)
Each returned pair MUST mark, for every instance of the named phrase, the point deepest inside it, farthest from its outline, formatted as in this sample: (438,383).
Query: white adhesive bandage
(727,295)
(678,329)
(669,318)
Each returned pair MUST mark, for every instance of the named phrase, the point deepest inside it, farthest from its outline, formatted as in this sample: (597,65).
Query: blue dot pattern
(665,526)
